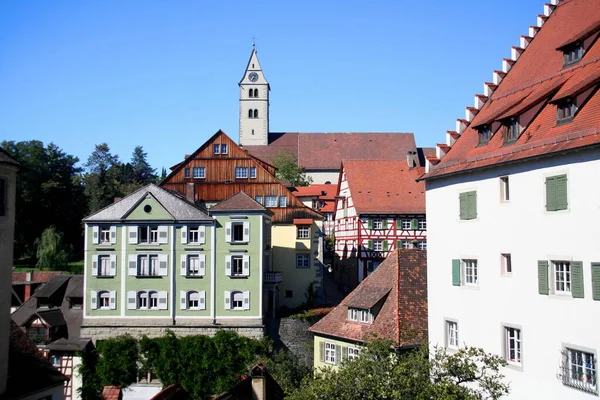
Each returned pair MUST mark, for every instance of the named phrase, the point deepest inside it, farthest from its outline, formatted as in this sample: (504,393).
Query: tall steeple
(254,104)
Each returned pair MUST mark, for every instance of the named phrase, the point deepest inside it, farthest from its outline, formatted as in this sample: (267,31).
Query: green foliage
(329,244)
(117,364)
(288,169)
(91,388)
(50,252)
(103,178)
(381,373)
(288,370)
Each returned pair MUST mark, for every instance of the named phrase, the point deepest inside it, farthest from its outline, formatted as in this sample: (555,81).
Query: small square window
(579,370)
(422,245)
(303,260)
(377,245)
(217,149)
(271,201)
(186,173)
(504,189)
(377,223)
(423,224)
(506,261)
(241,172)
(252,172)
(406,224)
(512,345)
(353,353)
(572,54)
(223,149)
(303,231)
(199,172)
(452,334)
(259,199)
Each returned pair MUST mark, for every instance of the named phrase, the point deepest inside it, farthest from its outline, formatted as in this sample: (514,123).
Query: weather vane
(253,42)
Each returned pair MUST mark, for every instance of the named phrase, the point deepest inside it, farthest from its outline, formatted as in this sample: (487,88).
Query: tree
(288,169)
(117,364)
(50,253)
(380,373)
(288,370)
(103,178)
(143,174)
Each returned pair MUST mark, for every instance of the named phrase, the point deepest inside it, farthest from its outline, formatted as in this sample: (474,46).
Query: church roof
(325,151)
(537,79)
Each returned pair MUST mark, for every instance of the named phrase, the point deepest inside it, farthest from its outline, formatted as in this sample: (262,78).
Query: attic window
(511,130)
(572,54)
(148,208)
(485,133)
(565,111)
(360,315)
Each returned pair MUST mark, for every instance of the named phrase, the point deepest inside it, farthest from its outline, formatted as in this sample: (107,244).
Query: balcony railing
(273,277)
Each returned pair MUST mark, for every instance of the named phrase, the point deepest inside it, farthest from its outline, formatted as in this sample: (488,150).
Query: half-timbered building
(379,208)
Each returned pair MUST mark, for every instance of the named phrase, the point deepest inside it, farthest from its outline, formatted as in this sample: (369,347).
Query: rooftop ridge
(490,87)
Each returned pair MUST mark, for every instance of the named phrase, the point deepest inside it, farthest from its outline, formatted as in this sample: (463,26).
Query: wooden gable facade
(220,168)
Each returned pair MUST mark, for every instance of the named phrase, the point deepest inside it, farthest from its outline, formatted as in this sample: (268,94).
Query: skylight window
(572,54)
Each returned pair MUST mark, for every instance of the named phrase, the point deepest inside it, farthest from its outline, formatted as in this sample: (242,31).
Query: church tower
(254,105)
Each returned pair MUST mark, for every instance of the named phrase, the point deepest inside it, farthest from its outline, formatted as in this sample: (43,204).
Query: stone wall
(294,335)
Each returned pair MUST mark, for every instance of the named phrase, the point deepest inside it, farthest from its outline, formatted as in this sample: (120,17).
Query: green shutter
(370,245)
(414,224)
(560,196)
(370,223)
(543,277)
(577,279)
(471,205)
(550,193)
(384,223)
(596,281)
(338,354)
(463,205)
(398,224)
(344,353)
(385,245)
(456,272)
(322,351)
(399,244)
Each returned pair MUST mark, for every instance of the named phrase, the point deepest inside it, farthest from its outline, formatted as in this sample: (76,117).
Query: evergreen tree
(103,178)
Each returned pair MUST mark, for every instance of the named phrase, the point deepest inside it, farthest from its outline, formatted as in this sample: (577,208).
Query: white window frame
(148,265)
(233,300)
(513,345)
(422,244)
(270,201)
(377,245)
(224,148)
(152,234)
(55,360)
(252,172)
(241,172)
(302,260)
(193,265)
(259,199)
(303,231)
(506,263)
(237,259)
(104,264)
(452,334)
(584,363)
(422,224)
(470,271)
(377,223)
(216,148)
(561,276)
(190,300)
(104,235)
(406,224)
(282,201)
(187,173)
(152,300)
(353,353)
(504,189)
(103,296)
(330,355)
(199,173)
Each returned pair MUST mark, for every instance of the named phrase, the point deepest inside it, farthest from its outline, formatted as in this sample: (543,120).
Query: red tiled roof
(399,284)
(533,79)
(316,189)
(112,393)
(384,186)
(325,151)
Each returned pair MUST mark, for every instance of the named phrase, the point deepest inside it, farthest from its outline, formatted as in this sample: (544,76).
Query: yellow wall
(317,363)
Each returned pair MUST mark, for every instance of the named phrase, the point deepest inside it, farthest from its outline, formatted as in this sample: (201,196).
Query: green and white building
(154,261)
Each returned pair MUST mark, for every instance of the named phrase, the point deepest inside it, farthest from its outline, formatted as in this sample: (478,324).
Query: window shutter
(202,300)
(93,300)
(162,301)
(385,245)
(183,268)
(370,245)
(133,234)
(113,299)
(384,223)
(183,300)
(131,300)
(471,205)
(338,354)
(95,265)
(399,244)
(202,234)
(162,265)
(322,351)
(228,232)
(202,261)
(113,234)
(95,234)
(596,281)
(184,235)
(227,299)
(246,266)
(344,353)
(246,232)
(543,277)
(370,223)
(414,224)
(163,234)
(551,193)
(132,265)
(398,224)
(113,265)
(463,206)
(561,192)
(456,272)
(577,279)
(228,265)
(246,300)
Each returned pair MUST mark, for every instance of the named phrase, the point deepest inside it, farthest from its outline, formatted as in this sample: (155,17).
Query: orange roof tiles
(535,77)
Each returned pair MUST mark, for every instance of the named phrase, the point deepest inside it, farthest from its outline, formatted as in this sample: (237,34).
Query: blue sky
(164,74)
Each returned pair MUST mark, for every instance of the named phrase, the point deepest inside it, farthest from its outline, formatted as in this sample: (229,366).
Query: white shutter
(131,300)
(228,232)
(228,265)
(246,232)
(95,234)
(246,266)
(113,299)
(113,234)
(113,265)
(95,265)
(163,270)
(184,235)
(202,234)
(163,234)
(162,300)
(183,300)
(227,300)
(202,261)
(183,265)
(133,234)
(246,300)
(202,300)
(132,264)
(93,300)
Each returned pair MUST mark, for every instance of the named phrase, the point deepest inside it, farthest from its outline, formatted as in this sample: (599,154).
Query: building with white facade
(512,204)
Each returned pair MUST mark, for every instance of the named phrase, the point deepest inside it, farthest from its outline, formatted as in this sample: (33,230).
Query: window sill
(194,276)
(237,243)
(149,276)
(239,276)
(514,366)
(104,276)
(105,244)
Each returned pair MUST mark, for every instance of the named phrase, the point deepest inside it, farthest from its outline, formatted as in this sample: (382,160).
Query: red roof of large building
(385,186)
(398,288)
(537,80)
(325,192)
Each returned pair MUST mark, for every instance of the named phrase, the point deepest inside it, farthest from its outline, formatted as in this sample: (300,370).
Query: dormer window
(485,133)
(512,131)
(572,54)
(565,111)
(360,315)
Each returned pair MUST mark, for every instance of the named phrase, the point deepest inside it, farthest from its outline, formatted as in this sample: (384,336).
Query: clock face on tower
(253,76)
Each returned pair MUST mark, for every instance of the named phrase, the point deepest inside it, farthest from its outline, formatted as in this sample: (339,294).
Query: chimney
(116,199)
(189,192)
(259,389)
(27,292)
(410,159)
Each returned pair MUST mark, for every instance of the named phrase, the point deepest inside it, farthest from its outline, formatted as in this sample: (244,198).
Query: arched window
(250,114)
(142,300)
(237,300)
(104,299)
(251,93)
(193,300)
(153,296)
(255,113)
(255,92)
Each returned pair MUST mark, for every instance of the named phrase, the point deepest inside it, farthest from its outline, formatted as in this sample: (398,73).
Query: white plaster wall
(323,176)
(523,228)
(76,378)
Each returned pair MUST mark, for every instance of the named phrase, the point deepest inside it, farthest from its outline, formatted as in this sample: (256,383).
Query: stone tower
(254,105)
